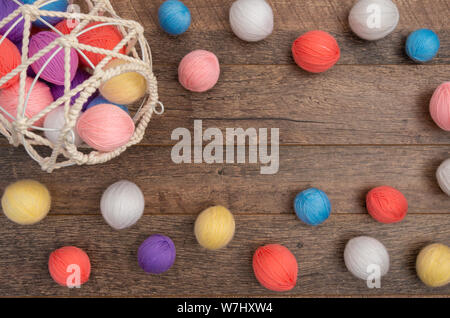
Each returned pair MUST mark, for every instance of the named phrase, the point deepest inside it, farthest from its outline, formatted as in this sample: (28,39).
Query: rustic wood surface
(362,124)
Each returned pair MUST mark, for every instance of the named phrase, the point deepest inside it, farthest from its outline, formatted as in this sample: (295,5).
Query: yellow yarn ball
(26,202)
(125,88)
(214,227)
(433,265)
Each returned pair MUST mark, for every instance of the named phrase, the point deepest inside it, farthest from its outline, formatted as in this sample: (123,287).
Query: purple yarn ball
(54,71)
(6,8)
(156,254)
(80,77)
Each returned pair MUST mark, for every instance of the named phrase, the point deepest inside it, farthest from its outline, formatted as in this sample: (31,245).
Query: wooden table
(362,124)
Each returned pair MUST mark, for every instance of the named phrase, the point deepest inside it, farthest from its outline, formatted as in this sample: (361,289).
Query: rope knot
(30,10)
(20,125)
(69,40)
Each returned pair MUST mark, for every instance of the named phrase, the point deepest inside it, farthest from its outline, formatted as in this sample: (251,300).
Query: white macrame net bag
(64,152)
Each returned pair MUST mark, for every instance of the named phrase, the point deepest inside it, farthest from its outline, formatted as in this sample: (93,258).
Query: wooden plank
(344,173)
(210,30)
(24,253)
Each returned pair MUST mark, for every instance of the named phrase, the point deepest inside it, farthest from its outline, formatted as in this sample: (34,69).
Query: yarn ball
(105,127)
(54,5)
(26,202)
(433,265)
(275,267)
(440,106)
(386,204)
(80,77)
(105,37)
(312,206)
(66,26)
(214,227)
(101,100)
(251,20)
(54,71)
(10,58)
(373,19)
(363,252)
(125,88)
(40,98)
(56,120)
(316,51)
(174,17)
(69,266)
(6,8)
(443,176)
(422,45)
(199,71)
(122,204)
(156,254)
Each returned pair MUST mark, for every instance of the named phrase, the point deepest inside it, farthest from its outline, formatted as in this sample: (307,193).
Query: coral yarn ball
(199,71)
(251,20)
(312,206)
(26,202)
(316,51)
(54,71)
(40,98)
(174,17)
(15,34)
(54,122)
(440,106)
(373,19)
(214,227)
(105,37)
(422,45)
(69,266)
(125,88)
(433,265)
(66,26)
(10,58)
(54,5)
(105,127)
(386,204)
(156,254)
(443,176)
(275,267)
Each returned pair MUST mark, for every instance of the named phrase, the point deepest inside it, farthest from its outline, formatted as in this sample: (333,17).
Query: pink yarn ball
(440,106)
(105,127)
(199,71)
(54,71)
(40,98)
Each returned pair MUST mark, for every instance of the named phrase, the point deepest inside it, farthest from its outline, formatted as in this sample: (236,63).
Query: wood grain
(115,271)
(344,173)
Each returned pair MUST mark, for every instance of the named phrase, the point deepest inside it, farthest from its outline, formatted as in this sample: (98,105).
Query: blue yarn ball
(422,45)
(312,206)
(174,17)
(58,5)
(101,100)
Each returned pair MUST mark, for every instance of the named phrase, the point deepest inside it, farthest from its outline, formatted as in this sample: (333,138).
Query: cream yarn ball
(251,20)
(122,204)
(361,253)
(55,121)
(373,19)
(443,176)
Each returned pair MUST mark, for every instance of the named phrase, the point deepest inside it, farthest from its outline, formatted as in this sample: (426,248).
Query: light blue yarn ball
(58,5)
(174,17)
(101,100)
(312,206)
(422,45)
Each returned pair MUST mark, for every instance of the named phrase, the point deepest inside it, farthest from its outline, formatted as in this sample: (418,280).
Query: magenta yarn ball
(156,254)
(15,34)
(199,71)
(54,71)
(440,106)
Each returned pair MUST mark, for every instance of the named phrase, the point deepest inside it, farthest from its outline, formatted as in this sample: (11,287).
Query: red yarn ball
(66,26)
(104,37)
(316,51)
(66,263)
(275,267)
(386,204)
(10,58)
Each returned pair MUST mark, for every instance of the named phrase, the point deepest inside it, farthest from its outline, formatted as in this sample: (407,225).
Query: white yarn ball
(443,176)
(122,204)
(373,19)
(251,20)
(55,120)
(362,252)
